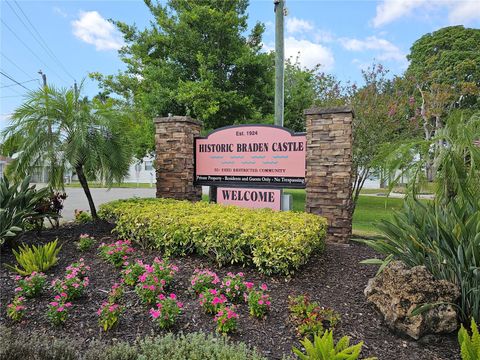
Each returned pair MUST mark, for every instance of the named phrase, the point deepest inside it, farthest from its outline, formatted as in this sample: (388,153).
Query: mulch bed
(334,279)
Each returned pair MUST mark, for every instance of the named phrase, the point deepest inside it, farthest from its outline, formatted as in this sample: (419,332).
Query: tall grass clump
(442,234)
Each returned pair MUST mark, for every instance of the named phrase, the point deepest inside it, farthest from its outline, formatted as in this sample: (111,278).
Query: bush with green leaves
(38,258)
(324,348)
(469,345)
(18,203)
(21,346)
(443,234)
(275,242)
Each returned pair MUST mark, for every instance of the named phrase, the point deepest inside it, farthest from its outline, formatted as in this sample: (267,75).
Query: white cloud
(465,12)
(309,53)
(296,25)
(384,48)
(93,29)
(459,11)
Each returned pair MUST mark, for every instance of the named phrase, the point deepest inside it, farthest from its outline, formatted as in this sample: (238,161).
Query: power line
(40,39)
(15,64)
(22,82)
(15,81)
(28,47)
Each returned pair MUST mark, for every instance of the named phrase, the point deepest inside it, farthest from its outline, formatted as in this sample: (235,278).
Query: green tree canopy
(195,59)
(451,57)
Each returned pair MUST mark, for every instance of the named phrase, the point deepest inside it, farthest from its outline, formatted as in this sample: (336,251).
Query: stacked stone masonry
(174,137)
(329,169)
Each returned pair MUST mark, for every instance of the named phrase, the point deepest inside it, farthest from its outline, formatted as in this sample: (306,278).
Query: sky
(67,40)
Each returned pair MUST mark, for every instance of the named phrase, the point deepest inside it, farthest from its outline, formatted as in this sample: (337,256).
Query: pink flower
(249,285)
(63,295)
(19,308)
(151,287)
(173,296)
(161,297)
(260,302)
(75,285)
(18,277)
(213,291)
(264,287)
(17,289)
(99,311)
(227,283)
(231,314)
(217,300)
(68,304)
(60,309)
(180,304)
(54,303)
(154,313)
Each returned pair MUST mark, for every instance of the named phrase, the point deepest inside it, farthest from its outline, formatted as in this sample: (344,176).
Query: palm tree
(61,130)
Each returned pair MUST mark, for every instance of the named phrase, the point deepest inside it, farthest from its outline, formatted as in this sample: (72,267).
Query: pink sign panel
(252,198)
(251,155)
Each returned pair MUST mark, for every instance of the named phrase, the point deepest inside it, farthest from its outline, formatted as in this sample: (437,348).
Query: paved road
(77,200)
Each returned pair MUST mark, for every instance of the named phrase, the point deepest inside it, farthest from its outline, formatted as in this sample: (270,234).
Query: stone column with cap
(174,157)
(329,169)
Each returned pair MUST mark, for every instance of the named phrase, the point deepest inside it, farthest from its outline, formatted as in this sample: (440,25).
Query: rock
(398,290)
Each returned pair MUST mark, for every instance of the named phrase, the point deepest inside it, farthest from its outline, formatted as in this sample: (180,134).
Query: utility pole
(279,7)
(44,80)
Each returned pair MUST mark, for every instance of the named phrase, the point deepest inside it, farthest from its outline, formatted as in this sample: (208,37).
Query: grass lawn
(369,210)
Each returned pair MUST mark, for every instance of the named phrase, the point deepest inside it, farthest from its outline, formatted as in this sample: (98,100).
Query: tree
(59,129)
(444,69)
(381,118)
(195,60)
(305,88)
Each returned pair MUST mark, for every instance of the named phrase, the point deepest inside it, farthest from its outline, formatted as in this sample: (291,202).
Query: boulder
(398,290)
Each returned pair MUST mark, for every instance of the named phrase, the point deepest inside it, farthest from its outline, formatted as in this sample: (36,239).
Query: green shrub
(82,217)
(469,345)
(22,346)
(324,348)
(85,242)
(309,317)
(18,202)
(275,242)
(194,346)
(35,258)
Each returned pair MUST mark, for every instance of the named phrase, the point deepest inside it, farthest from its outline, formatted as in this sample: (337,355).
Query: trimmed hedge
(275,242)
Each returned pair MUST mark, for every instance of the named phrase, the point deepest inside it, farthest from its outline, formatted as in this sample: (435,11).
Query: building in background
(4,161)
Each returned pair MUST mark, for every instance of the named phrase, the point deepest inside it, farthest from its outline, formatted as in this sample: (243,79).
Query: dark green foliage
(195,59)
(18,204)
(449,56)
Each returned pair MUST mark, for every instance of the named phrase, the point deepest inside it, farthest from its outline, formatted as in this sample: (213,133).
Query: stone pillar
(329,169)
(174,157)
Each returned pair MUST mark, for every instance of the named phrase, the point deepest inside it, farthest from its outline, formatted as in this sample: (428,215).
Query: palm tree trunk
(86,189)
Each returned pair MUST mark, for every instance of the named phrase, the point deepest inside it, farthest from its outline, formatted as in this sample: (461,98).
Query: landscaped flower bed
(275,242)
(334,280)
